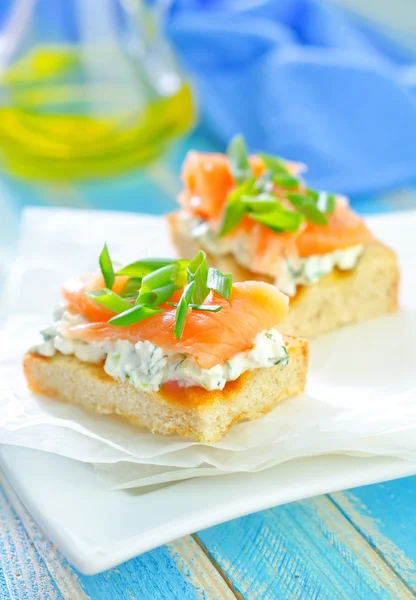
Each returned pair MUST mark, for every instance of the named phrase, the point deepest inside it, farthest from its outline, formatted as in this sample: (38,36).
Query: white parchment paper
(360,397)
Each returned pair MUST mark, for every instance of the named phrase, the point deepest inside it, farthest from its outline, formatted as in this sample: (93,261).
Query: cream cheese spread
(148,366)
(292,271)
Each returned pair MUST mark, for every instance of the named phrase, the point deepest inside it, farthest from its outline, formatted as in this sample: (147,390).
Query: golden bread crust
(203,416)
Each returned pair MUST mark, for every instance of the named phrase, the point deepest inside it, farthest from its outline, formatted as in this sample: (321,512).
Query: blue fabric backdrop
(303,79)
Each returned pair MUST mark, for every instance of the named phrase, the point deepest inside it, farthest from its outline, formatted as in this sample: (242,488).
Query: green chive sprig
(109,300)
(239,162)
(254,196)
(106,267)
(182,309)
(133,315)
(152,282)
(201,279)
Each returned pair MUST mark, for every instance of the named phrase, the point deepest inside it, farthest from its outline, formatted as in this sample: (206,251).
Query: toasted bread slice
(193,412)
(339,298)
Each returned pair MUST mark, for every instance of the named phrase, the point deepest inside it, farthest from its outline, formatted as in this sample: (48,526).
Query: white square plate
(98,529)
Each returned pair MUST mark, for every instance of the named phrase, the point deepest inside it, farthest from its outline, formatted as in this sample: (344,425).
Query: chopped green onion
(156,285)
(326,202)
(220,283)
(276,165)
(234,212)
(256,197)
(238,157)
(181,278)
(143,267)
(134,315)
(158,295)
(206,307)
(106,267)
(262,203)
(313,194)
(182,309)
(331,201)
(234,209)
(159,278)
(264,183)
(279,219)
(131,287)
(148,298)
(109,300)
(198,272)
(286,182)
(268,179)
(307,207)
(203,307)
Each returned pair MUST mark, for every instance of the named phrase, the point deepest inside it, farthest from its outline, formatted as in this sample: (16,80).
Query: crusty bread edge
(67,379)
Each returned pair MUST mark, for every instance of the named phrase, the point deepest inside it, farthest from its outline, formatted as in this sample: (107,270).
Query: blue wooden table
(359,544)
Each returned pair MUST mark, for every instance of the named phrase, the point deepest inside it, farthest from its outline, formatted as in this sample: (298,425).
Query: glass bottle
(88,89)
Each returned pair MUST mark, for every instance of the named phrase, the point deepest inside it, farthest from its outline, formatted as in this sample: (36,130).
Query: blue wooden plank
(24,575)
(178,570)
(301,550)
(4,589)
(152,575)
(385,515)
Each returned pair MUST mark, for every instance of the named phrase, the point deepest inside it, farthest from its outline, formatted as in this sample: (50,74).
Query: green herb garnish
(238,157)
(131,287)
(286,182)
(220,283)
(279,219)
(276,165)
(157,296)
(140,268)
(147,299)
(283,361)
(198,272)
(160,277)
(152,282)
(206,307)
(110,300)
(255,197)
(133,315)
(306,206)
(259,204)
(202,307)
(234,208)
(182,309)
(106,267)
(326,202)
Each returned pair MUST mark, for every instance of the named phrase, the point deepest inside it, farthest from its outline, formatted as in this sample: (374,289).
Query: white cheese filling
(293,271)
(148,367)
(307,271)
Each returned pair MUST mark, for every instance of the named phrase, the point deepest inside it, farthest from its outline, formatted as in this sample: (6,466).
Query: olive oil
(61,121)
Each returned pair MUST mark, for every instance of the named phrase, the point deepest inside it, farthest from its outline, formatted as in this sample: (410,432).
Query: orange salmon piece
(345,229)
(208,181)
(73,292)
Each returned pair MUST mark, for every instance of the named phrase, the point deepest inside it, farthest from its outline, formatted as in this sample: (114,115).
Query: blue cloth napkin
(305,80)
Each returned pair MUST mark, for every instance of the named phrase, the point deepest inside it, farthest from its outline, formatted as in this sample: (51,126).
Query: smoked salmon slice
(207,184)
(74,293)
(344,230)
(211,338)
(208,181)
